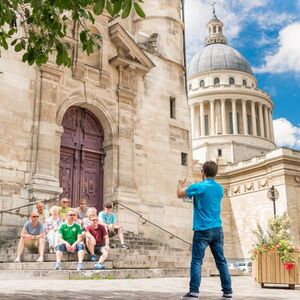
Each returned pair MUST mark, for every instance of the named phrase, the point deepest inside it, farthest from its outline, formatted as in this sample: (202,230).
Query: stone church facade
(114,127)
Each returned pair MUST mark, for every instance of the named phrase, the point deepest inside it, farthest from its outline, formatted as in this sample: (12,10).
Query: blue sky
(267,33)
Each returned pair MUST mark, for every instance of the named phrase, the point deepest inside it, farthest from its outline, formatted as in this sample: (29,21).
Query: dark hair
(210,168)
(108,205)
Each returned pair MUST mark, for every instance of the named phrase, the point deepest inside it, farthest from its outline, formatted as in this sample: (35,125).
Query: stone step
(93,274)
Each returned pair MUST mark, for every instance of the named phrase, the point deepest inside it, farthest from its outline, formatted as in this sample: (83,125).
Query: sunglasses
(71,215)
(34,216)
(65,201)
(95,220)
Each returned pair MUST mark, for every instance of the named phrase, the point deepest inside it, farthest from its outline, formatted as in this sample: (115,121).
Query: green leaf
(14,42)
(127,4)
(18,47)
(109,7)
(139,10)
(4,43)
(117,7)
(98,7)
(91,17)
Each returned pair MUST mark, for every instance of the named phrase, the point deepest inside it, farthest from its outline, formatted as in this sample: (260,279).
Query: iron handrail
(172,235)
(17,209)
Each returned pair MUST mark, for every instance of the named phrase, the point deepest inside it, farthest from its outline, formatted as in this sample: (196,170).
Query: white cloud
(287,57)
(286,134)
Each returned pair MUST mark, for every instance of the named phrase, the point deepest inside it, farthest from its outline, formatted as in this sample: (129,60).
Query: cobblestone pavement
(136,289)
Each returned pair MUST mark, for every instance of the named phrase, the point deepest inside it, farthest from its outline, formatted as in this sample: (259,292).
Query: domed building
(229,113)
(232,124)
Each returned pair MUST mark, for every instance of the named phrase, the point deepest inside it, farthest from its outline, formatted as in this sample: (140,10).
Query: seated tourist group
(66,229)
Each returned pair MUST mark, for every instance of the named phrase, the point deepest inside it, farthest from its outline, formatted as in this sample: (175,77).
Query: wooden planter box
(268,269)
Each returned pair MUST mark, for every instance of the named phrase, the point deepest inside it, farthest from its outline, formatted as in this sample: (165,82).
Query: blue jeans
(214,238)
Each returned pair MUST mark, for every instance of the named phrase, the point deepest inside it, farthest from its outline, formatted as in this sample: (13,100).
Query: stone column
(245,121)
(234,119)
(202,125)
(261,121)
(267,123)
(212,117)
(223,116)
(271,124)
(44,183)
(253,115)
(193,120)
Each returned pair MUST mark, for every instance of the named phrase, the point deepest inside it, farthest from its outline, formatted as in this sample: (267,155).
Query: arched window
(231,80)
(202,83)
(214,29)
(216,81)
(220,29)
(244,82)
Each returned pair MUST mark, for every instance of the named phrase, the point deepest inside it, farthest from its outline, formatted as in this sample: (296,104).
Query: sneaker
(99,266)
(93,257)
(40,259)
(57,266)
(190,295)
(227,296)
(80,266)
(17,260)
(124,246)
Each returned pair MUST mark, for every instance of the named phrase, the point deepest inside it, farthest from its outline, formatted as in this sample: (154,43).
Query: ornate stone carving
(236,189)
(249,186)
(150,45)
(262,183)
(297,179)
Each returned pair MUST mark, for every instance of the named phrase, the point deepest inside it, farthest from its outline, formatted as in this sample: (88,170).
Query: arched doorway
(82,157)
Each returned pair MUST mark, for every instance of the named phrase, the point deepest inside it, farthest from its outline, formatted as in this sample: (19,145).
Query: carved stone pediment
(129,53)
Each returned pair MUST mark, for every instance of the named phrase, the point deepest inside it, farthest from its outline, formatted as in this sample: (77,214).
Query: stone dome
(218,57)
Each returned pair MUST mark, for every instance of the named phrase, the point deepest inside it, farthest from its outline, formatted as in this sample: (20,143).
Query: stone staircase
(144,258)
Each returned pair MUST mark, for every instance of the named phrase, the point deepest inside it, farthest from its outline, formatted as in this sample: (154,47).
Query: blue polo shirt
(207,195)
(107,219)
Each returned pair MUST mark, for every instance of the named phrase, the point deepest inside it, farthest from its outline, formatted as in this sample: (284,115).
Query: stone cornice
(131,51)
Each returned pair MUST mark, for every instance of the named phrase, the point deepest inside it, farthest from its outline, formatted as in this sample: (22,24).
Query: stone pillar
(193,119)
(253,115)
(212,117)
(267,124)
(46,137)
(234,118)
(261,121)
(245,121)
(271,124)
(202,125)
(223,116)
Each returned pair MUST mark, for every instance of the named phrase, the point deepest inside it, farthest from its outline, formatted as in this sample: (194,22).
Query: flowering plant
(276,239)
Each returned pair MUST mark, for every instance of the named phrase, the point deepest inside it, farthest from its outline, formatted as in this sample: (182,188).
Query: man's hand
(181,188)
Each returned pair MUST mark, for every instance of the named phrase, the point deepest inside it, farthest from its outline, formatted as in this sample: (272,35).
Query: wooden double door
(82,158)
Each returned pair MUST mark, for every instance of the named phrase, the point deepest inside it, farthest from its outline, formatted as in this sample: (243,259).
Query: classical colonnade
(219,122)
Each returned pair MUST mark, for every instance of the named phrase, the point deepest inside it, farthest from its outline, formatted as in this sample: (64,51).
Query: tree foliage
(40,27)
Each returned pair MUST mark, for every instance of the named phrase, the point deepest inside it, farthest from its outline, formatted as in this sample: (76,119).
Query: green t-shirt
(69,233)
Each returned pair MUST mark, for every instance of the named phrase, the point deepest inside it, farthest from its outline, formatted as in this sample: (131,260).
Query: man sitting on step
(97,241)
(32,237)
(109,220)
(70,240)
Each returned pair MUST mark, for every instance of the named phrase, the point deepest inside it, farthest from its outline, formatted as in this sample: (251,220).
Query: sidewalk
(137,289)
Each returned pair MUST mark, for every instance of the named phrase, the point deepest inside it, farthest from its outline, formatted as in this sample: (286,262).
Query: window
(244,82)
(219,152)
(206,125)
(190,86)
(249,123)
(184,159)
(231,80)
(172,108)
(214,29)
(216,81)
(220,29)
(202,83)
(238,123)
(230,123)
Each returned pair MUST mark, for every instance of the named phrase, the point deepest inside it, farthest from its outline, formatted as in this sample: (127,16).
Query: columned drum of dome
(231,117)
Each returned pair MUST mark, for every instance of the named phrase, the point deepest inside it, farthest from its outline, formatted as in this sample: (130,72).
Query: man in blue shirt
(207,226)
(109,220)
